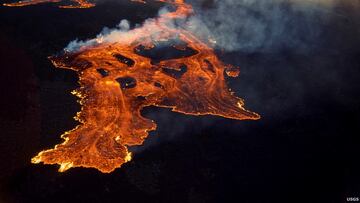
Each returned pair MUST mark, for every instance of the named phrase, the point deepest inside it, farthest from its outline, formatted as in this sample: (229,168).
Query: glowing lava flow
(79,3)
(117,80)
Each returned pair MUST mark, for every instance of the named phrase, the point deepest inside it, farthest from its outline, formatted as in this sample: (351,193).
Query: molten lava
(79,3)
(118,79)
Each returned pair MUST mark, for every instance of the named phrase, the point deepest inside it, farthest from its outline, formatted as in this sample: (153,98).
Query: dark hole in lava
(127,61)
(141,98)
(102,72)
(126,82)
(175,73)
(157,84)
(209,66)
(165,51)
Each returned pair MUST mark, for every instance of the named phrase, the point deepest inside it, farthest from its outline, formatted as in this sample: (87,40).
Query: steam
(241,25)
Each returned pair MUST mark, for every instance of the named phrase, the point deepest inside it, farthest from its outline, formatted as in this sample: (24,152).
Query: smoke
(107,35)
(242,25)
(263,26)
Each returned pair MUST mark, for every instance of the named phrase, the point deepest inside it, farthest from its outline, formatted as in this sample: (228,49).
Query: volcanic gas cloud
(118,78)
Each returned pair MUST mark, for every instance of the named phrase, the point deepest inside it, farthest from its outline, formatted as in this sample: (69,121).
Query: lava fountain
(119,78)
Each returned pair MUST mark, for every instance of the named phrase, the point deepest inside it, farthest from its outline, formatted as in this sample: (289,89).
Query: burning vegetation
(154,65)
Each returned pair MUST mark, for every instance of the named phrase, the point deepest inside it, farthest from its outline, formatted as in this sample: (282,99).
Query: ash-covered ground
(299,70)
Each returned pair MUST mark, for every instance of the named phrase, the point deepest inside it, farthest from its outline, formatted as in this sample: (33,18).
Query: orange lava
(117,80)
(79,3)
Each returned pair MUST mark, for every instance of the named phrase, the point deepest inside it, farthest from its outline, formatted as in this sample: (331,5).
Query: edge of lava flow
(79,3)
(117,82)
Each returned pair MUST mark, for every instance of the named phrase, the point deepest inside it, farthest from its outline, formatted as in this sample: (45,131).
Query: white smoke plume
(243,25)
(108,35)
